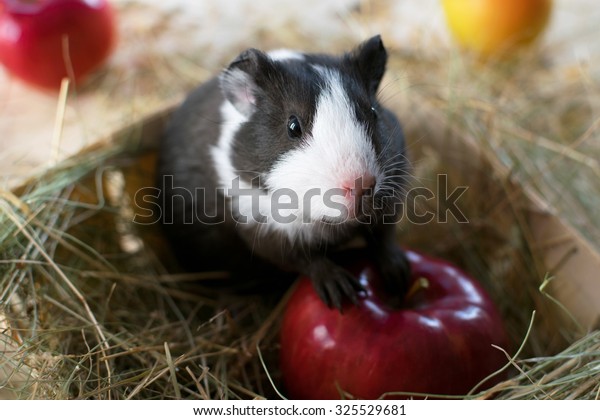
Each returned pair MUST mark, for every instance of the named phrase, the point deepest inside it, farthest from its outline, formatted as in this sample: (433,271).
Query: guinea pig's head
(310,126)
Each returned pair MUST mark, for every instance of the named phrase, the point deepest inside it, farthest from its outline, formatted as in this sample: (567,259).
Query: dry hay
(92,305)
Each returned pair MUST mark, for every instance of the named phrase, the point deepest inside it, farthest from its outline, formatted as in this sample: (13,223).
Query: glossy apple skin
(496,27)
(32,32)
(438,342)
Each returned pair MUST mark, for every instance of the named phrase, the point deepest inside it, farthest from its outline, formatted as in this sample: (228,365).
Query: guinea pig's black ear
(370,58)
(241,81)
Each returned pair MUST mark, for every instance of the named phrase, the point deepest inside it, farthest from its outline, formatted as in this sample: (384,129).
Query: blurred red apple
(41,41)
(438,341)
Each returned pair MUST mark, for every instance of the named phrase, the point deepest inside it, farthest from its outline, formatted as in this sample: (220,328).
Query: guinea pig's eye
(373,112)
(293,127)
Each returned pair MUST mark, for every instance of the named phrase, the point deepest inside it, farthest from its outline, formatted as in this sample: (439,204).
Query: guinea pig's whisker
(402,177)
(393,158)
(390,163)
(386,146)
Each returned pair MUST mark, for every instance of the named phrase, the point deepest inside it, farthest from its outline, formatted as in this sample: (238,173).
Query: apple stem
(420,284)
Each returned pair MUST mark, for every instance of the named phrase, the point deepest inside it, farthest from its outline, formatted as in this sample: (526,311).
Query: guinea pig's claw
(336,285)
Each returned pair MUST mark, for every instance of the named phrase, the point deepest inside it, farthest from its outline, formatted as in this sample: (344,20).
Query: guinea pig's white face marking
(336,154)
(221,152)
(285,54)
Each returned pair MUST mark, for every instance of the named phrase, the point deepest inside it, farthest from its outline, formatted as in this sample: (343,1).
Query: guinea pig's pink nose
(361,186)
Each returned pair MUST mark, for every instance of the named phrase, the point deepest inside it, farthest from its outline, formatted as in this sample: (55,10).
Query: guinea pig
(280,162)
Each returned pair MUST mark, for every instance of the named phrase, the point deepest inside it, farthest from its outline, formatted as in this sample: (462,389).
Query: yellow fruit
(496,26)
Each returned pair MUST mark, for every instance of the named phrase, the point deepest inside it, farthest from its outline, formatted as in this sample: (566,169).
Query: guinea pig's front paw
(395,271)
(333,283)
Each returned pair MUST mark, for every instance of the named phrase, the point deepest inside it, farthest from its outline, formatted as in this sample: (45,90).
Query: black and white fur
(291,120)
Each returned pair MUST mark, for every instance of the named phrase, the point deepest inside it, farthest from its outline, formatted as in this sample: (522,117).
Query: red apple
(438,341)
(41,41)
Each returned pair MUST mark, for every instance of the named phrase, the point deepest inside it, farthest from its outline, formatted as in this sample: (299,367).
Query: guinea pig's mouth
(355,213)
(337,223)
